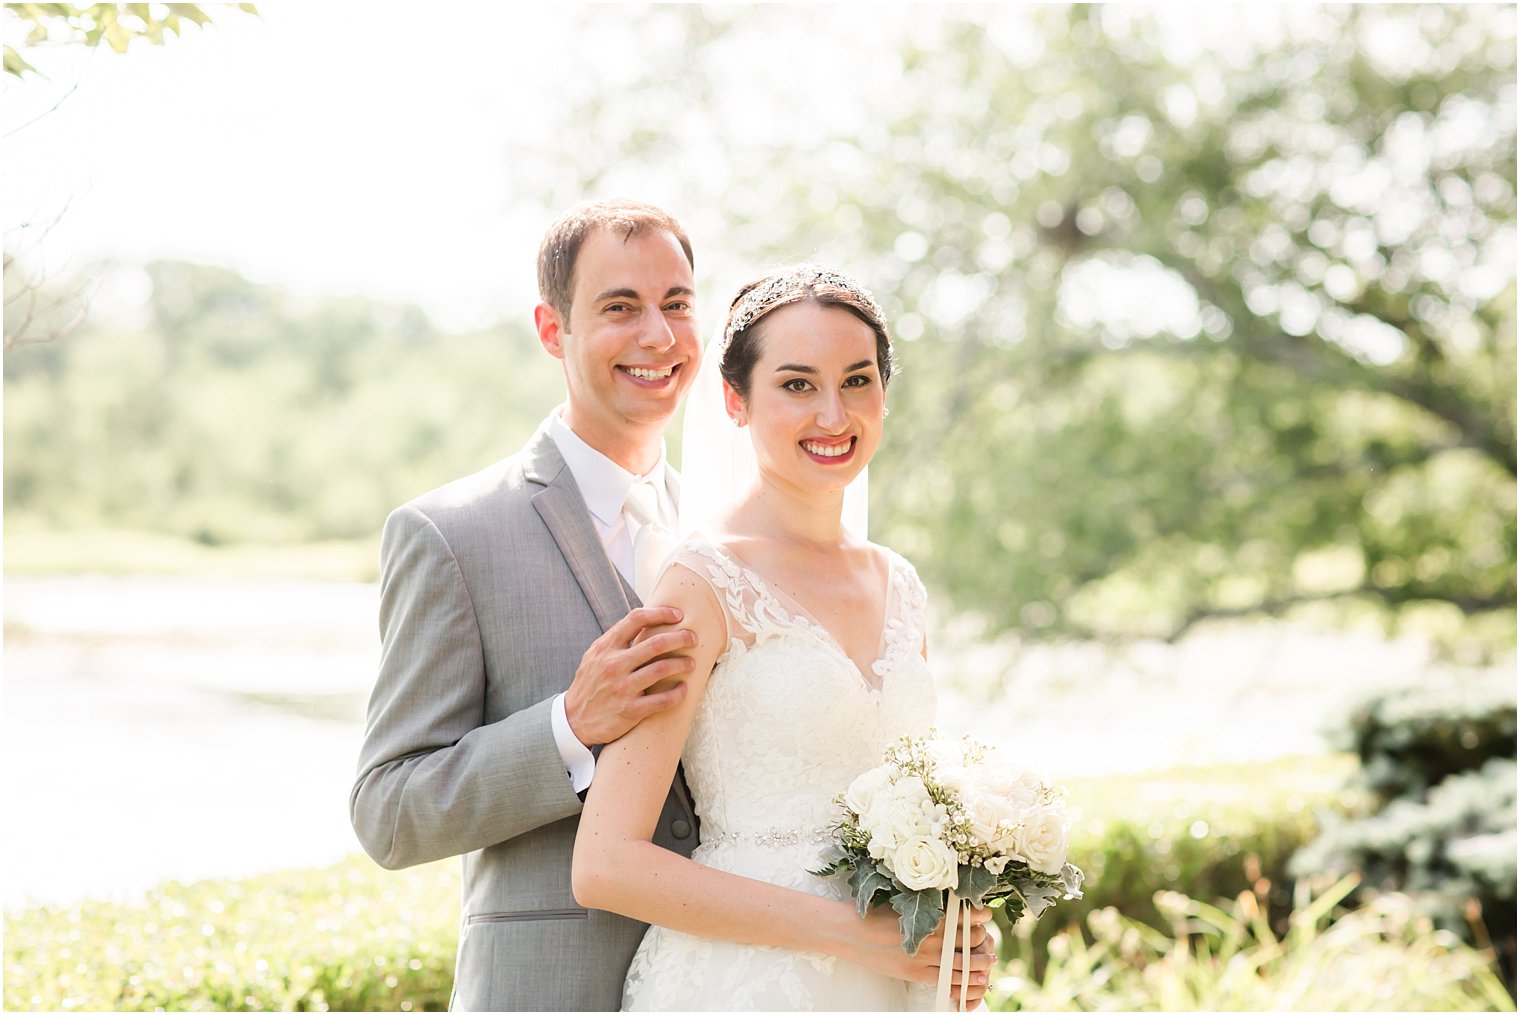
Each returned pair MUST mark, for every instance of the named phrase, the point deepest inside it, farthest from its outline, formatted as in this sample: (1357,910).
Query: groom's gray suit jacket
(491,588)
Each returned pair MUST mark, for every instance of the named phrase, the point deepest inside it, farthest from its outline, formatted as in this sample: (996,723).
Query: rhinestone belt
(773,837)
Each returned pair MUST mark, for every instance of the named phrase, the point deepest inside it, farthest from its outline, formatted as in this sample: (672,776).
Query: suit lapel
(628,591)
(564,512)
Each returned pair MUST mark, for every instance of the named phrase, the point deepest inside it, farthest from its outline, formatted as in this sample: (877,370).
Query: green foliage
(918,914)
(1185,335)
(1383,957)
(242,416)
(1410,739)
(357,938)
(1439,760)
(1210,834)
(114,24)
(342,939)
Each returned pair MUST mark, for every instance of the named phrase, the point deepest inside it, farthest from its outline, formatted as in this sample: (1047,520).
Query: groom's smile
(651,377)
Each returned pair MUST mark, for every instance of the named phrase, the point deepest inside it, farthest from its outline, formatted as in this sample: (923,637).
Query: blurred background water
(159,728)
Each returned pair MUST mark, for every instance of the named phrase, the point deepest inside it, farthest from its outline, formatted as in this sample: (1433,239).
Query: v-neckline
(801,613)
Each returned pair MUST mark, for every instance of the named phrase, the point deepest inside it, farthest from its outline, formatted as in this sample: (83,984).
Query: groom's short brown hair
(562,243)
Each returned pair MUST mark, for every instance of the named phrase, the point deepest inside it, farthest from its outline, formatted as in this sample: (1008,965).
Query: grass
(33,550)
(1380,957)
(350,937)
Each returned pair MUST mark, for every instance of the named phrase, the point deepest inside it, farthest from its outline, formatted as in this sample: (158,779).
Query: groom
(507,613)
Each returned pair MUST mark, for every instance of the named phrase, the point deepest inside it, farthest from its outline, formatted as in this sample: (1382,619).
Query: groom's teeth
(826,450)
(649,375)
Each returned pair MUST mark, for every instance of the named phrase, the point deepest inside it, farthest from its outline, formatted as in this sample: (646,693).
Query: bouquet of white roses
(942,823)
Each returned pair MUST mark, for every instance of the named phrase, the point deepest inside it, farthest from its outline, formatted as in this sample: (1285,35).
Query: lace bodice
(788,720)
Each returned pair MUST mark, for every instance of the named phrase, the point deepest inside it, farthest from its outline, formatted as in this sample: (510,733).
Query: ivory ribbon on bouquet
(957,916)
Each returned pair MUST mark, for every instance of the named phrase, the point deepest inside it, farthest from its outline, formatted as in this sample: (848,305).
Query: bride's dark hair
(797,284)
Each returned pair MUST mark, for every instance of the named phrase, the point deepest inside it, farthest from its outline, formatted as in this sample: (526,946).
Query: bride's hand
(979,960)
(880,949)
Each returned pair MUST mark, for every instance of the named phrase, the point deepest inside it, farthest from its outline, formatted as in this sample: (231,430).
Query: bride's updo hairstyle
(795,284)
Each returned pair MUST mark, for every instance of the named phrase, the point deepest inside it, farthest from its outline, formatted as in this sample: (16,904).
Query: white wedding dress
(786,723)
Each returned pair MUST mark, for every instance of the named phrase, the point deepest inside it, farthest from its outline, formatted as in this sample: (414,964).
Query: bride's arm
(617,867)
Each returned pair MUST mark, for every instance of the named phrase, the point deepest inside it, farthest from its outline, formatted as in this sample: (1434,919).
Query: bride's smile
(830,452)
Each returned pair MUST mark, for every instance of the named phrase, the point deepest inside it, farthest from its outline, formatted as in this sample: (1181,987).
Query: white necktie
(652,541)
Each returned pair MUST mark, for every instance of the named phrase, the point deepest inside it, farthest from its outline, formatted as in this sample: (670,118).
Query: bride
(809,662)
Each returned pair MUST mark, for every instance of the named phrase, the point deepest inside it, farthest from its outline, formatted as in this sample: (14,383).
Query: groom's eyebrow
(628,294)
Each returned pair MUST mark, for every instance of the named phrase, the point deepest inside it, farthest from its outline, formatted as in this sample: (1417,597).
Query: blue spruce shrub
(1439,762)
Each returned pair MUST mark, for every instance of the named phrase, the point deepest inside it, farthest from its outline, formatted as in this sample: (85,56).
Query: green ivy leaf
(919,913)
(868,882)
(975,883)
(1072,878)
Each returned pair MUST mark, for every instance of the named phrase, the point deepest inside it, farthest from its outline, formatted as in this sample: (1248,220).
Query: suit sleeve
(434,780)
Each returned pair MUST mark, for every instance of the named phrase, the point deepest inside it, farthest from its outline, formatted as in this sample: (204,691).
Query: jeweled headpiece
(788,286)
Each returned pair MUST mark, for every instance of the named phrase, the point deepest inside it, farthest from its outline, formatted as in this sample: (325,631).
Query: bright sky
(343,147)
(323,146)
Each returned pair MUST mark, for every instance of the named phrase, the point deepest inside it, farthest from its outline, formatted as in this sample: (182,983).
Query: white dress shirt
(604,485)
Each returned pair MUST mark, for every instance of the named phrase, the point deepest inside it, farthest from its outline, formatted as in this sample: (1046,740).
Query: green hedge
(356,938)
(346,938)
(1207,833)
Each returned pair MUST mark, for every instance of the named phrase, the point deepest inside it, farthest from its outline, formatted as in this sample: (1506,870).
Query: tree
(90,24)
(1186,335)
(37,307)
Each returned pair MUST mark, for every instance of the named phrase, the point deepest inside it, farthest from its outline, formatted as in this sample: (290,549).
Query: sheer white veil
(718,460)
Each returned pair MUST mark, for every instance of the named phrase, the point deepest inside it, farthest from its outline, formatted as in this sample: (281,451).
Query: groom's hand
(610,694)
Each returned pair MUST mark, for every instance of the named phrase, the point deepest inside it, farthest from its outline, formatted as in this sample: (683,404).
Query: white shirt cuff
(580,765)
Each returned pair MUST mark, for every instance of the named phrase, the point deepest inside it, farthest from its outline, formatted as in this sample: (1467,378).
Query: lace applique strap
(746,601)
(906,626)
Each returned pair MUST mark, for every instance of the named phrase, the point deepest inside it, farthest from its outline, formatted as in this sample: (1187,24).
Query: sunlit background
(1203,441)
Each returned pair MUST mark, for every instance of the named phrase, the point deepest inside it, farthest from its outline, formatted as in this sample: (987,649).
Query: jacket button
(680,828)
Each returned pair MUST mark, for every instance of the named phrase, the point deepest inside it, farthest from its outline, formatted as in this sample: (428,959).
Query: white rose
(960,781)
(866,786)
(950,769)
(898,812)
(922,863)
(1029,789)
(993,820)
(1042,838)
(1022,791)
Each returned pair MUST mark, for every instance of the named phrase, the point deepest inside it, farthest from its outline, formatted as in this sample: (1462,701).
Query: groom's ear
(550,329)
